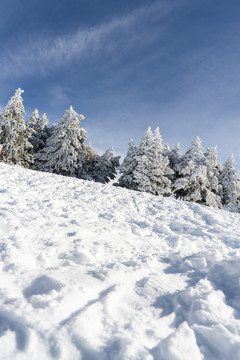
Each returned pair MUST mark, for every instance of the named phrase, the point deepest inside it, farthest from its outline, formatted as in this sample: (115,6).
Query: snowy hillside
(90,271)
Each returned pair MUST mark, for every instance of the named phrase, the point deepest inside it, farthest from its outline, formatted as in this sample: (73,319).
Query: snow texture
(91,271)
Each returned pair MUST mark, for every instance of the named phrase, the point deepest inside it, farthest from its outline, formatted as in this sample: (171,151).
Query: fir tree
(127,168)
(103,168)
(152,171)
(230,184)
(86,162)
(174,157)
(192,183)
(14,133)
(1,135)
(39,129)
(90,153)
(213,197)
(166,149)
(64,149)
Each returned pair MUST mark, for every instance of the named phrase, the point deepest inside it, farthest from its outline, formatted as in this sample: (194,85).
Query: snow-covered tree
(127,168)
(166,149)
(174,157)
(213,197)
(192,183)
(103,168)
(1,134)
(86,162)
(14,133)
(64,149)
(90,153)
(152,171)
(39,130)
(230,183)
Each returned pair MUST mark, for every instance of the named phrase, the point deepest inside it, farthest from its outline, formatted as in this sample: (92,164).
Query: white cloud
(41,54)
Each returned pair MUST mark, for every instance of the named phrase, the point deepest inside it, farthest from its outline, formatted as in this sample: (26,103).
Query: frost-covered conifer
(86,162)
(90,152)
(230,183)
(127,167)
(193,183)
(174,157)
(152,171)
(213,197)
(39,130)
(64,148)
(103,168)
(166,149)
(14,133)
(1,134)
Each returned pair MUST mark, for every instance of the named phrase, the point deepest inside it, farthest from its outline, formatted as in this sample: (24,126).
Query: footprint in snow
(42,285)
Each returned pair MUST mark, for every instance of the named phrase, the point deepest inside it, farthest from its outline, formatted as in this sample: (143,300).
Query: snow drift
(90,271)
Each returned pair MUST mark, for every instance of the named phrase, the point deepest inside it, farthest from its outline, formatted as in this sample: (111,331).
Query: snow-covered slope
(90,271)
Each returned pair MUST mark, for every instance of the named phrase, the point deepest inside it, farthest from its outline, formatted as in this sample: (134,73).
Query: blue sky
(127,65)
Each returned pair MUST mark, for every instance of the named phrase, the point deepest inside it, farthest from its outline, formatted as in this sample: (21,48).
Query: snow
(91,271)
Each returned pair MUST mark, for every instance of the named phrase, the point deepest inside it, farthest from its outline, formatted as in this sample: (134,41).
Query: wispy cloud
(45,54)
(58,95)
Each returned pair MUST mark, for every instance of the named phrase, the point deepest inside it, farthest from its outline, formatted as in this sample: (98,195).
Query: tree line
(58,149)
(194,176)
(151,167)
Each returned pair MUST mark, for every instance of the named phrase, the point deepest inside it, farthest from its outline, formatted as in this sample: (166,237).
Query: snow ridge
(90,271)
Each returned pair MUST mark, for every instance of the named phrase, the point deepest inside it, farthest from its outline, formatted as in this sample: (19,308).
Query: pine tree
(127,168)
(39,129)
(90,153)
(103,168)
(14,133)
(86,162)
(230,184)
(166,149)
(64,149)
(174,157)
(152,171)
(192,183)
(1,135)
(213,197)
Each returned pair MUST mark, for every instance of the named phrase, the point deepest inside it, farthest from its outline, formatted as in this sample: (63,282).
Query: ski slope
(91,271)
